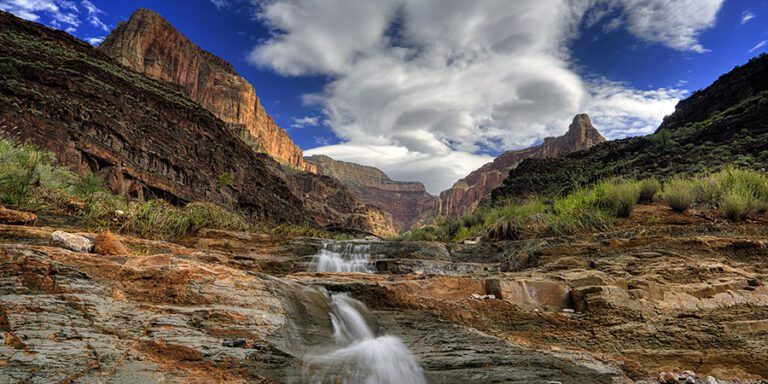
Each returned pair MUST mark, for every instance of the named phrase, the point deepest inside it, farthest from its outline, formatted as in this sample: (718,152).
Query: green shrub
(679,194)
(158,218)
(617,197)
(505,228)
(24,168)
(226,178)
(737,206)
(648,190)
(706,190)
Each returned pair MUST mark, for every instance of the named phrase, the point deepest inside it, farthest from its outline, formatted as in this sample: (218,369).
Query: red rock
(106,243)
(10,216)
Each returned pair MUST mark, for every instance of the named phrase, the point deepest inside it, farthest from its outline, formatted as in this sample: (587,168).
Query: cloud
(306,121)
(219,4)
(758,46)
(425,89)
(747,16)
(93,16)
(95,40)
(63,13)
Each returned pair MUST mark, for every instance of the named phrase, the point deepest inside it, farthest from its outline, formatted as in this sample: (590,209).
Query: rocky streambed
(630,306)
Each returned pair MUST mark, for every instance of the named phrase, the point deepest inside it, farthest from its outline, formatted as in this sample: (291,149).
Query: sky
(429,90)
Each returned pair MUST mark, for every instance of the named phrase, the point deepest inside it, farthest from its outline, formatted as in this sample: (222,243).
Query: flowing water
(359,355)
(337,256)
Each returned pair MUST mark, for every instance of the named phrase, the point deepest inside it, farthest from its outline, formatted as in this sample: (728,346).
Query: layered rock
(468,192)
(150,45)
(405,202)
(146,139)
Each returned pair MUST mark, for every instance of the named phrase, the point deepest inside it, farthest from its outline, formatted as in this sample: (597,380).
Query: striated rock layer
(146,139)
(467,193)
(405,202)
(150,45)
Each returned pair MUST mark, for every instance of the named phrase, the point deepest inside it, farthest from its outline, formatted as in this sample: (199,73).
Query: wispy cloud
(759,46)
(221,3)
(95,40)
(306,121)
(93,15)
(747,16)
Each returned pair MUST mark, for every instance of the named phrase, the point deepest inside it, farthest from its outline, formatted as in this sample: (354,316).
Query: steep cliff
(145,138)
(150,45)
(467,193)
(722,125)
(405,202)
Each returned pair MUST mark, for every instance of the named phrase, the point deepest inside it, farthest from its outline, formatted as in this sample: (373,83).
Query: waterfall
(360,356)
(337,256)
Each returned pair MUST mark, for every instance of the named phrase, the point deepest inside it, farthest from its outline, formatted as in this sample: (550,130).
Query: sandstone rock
(531,293)
(106,243)
(406,202)
(10,216)
(71,241)
(668,378)
(467,193)
(152,46)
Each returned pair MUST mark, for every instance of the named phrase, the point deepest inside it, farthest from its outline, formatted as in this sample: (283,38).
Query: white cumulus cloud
(423,89)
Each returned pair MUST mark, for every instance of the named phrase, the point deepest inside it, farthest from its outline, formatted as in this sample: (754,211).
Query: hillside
(146,139)
(721,125)
(150,45)
(406,202)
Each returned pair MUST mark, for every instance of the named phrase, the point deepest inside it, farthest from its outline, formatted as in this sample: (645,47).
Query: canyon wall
(467,193)
(405,202)
(150,45)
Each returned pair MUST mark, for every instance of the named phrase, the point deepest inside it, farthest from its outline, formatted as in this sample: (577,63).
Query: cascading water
(343,257)
(360,356)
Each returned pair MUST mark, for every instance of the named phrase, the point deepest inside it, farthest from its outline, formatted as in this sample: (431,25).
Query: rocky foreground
(684,300)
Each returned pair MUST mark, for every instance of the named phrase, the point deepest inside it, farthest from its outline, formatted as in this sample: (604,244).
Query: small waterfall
(360,356)
(343,257)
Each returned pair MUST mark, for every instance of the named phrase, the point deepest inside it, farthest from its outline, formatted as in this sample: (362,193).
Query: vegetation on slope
(734,193)
(30,179)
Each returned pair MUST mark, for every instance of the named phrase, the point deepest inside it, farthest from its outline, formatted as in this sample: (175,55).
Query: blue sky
(429,90)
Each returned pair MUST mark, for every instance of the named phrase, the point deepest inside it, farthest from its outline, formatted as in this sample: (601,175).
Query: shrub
(648,190)
(24,168)
(679,194)
(226,179)
(737,206)
(505,228)
(155,218)
(617,197)
(706,190)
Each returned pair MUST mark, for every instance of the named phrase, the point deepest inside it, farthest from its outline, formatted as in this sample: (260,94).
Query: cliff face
(145,138)
(150,45)
(467,193)
(722,125)
(406,203)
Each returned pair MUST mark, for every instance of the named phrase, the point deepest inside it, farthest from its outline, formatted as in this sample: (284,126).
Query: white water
(360,356)
(343,257)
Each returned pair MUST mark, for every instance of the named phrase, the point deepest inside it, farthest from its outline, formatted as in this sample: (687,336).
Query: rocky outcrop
(405,202)
(146,139)
(150,45)
(468,192)
(722,125)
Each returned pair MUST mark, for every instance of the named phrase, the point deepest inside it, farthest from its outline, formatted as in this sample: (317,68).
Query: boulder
(71,241)
(106,243)
(9,216)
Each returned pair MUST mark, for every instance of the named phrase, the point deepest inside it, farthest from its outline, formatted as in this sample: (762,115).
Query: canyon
(466,194)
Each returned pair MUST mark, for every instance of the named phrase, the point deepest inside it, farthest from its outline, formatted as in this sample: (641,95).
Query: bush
(648,190)
(158,218)
(617,197)
(679,194)
(24,168)
(737,206)
(706,191)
